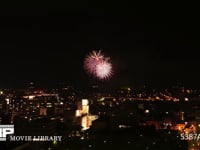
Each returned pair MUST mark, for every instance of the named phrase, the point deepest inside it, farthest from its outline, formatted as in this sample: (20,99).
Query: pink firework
(104,70)
(97,65)
(92,60)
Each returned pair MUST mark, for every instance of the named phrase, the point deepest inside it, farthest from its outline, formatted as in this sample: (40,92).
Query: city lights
(97,111)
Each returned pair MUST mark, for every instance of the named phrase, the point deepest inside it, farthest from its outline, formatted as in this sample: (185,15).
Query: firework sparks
(92,60)
(98,65)
(103,70)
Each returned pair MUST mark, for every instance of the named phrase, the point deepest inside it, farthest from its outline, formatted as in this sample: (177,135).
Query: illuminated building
(78,113)
(182,116)
(85,106)
(85,122)
(43,111)
(180,127)
(83,112)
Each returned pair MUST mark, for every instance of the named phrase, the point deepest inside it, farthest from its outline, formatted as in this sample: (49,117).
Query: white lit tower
(85,106)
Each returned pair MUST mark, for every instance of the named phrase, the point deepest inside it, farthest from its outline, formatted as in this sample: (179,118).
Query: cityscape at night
(83,78)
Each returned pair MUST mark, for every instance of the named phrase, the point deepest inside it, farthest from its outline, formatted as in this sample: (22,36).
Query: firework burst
(98,65)
(104,70)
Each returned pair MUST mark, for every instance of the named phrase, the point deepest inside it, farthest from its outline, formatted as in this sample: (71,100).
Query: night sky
(157,47)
